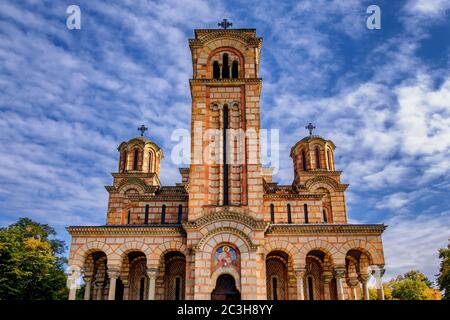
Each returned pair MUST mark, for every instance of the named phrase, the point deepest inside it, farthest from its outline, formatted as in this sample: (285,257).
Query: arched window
(305,209)
(225,155)
(274,288)
(180,213)
(235,69)
(289,216)
(225,67)
(310,288)
(317,158)
(136,159)
(163,214)
(149,162)
(128,216)
(124,163)
(216,70)
(303,160)
(146,214)
(330,167)
(272,213)
(325,216)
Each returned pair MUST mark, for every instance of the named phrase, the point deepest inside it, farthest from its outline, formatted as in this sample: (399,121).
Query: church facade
(226,230)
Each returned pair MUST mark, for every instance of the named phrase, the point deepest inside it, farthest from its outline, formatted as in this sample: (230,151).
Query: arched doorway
(225,289)
(277,275)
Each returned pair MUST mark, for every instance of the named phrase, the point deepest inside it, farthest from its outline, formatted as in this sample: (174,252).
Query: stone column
(339,274)
(364,279)
(73,275)
(353,284)
(152,273)
(300,273)
(126,288)
(87,287)
(378,274)
(113,274)
(327,276)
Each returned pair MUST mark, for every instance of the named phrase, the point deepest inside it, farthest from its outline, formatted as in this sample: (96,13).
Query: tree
(413,285)
(443,278)
(31,262)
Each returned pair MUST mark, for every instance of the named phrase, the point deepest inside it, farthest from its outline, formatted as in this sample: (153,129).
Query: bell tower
(225,169)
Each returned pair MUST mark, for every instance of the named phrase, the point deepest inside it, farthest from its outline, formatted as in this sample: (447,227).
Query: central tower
(225,168)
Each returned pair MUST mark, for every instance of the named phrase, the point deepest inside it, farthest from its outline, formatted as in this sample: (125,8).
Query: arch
(286,247)
(272,213)
(235,51)
(225,66)
(223,271)
(304,167)
(317,156)
(289,213)
(325,182)
(79,257)
(129,183)
(163,214)
(123,163)
(319,245)
(131,246)
(235,69)
(367,248)
(136,158)
(216,70)
(174,275)
(305,213)
(330,159)
(237,237)
(164,248)
(277,265)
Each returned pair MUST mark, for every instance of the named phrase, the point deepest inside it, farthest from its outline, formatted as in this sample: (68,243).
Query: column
(339,274)
(152,273)
(353,284)
(72,281)
(327,276)
(126,288)
(113,274)
(364,279)
(378,274)
(87,287)
(300,273)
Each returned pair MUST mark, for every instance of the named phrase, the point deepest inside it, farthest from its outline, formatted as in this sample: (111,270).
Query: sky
(69,97)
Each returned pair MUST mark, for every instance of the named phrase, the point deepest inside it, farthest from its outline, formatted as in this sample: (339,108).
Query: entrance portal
(225,289)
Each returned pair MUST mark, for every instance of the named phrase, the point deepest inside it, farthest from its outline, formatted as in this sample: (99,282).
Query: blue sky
(69,97)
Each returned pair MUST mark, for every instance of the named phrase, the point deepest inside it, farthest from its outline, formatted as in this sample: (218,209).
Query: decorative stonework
(226,231)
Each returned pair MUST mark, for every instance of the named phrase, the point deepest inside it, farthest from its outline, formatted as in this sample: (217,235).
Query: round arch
(79,257)
(226,234)
(367,248)
(319,245)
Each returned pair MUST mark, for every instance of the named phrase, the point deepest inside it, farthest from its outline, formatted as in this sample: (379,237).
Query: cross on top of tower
(142,129)
(225,24)
(310,127)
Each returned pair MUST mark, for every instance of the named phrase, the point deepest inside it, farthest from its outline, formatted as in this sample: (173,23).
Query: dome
(140,154)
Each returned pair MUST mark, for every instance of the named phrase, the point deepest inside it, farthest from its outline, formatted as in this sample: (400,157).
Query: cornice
(159,229)
(294,229)
(225,82)
(293,196)
(203,36)
(226,215)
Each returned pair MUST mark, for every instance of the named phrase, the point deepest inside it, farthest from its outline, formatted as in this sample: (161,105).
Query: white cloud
(412,242)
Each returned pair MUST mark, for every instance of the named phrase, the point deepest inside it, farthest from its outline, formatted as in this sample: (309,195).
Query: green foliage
(413,285)
(31,266)
(443,279)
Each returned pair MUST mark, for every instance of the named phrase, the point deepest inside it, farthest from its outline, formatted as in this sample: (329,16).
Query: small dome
(312,153)
(140,154)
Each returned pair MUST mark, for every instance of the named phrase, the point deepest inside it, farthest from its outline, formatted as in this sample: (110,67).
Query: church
(226,231)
